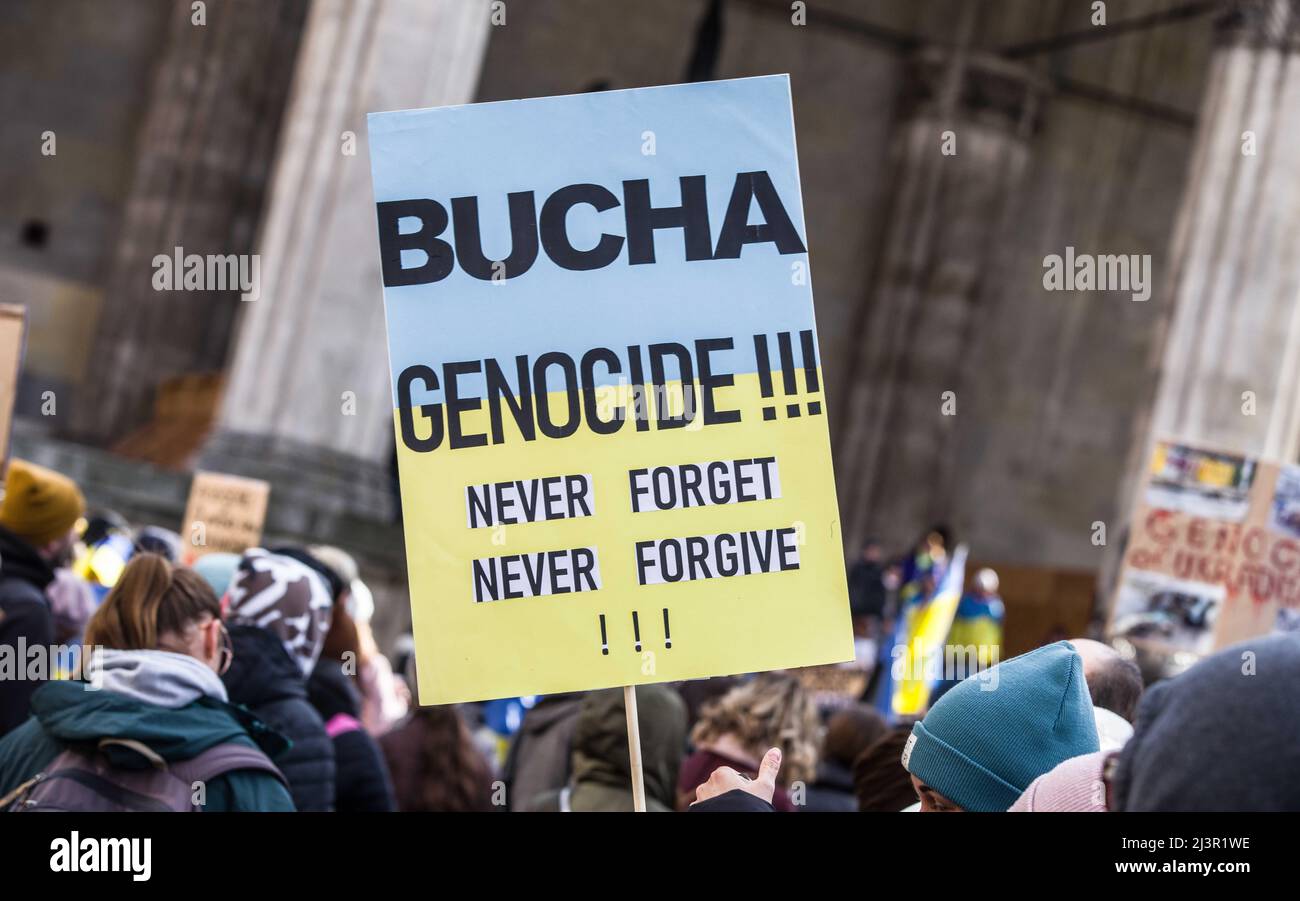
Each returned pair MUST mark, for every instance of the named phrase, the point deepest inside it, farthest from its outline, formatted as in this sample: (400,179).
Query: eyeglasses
(227,649)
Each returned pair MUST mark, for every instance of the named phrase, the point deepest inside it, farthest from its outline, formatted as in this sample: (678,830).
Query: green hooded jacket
(65,713)
(602,768)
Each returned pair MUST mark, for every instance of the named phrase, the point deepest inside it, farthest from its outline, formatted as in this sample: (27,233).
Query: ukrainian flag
(922,632)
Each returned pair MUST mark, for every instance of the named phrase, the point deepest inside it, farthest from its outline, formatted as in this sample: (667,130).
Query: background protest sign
(13,330)
(224,513)
(612,439)
(1213,555)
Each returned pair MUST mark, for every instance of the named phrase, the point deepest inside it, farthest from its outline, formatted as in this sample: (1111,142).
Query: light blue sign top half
(489,150)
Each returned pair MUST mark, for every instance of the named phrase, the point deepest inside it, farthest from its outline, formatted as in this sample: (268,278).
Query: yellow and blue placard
(607,392)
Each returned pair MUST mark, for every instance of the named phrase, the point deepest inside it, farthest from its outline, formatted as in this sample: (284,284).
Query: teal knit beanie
(217,569)
(992,734)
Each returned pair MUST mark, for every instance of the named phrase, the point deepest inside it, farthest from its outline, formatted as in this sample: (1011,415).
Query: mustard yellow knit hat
(39,504)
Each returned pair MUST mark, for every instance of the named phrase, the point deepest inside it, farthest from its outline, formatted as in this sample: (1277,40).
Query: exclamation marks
(636,632)
(764,373)
(812,384)
(789,382)
(787,373)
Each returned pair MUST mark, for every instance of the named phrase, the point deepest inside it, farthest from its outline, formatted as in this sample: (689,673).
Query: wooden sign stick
(634,749)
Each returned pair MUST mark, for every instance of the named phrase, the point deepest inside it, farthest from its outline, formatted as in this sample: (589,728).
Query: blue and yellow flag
(917,659)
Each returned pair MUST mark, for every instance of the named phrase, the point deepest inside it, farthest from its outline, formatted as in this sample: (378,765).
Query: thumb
(768,769)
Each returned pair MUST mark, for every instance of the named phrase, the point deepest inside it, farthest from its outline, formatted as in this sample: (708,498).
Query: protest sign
(835,685)
(224,513)
(13,330)
(608,398)
(1213,555)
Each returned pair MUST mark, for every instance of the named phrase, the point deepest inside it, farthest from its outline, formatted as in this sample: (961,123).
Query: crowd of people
(253,682)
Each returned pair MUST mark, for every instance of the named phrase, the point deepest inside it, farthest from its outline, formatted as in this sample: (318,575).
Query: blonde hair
(772,710)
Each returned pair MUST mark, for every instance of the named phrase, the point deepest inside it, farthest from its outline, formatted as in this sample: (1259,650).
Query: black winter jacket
(24,614)
(833,790)
(266,680)
(361,781)
(734,801)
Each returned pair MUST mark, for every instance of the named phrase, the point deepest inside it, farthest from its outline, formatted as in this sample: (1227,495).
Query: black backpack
(81,780)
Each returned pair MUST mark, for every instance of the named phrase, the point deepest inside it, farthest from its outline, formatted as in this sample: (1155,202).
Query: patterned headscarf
(284,597)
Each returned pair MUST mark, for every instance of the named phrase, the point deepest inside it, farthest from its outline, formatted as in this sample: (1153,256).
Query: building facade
(948,149)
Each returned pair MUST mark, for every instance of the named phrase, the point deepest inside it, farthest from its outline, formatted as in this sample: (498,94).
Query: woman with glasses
(150,713)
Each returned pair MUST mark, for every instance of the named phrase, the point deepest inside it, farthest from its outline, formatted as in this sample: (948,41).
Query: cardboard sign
(1213,555)
(607,390)
(13,330)
(836,685)
(224,513)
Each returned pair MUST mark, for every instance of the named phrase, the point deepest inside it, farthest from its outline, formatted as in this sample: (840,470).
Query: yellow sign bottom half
(468,650)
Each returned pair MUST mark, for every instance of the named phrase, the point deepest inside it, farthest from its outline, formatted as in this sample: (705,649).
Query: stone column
(1232,321)
(1228,372)
(308,404)
(894,447)
(202,160)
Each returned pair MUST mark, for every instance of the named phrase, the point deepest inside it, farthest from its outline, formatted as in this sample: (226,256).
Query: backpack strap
(19,791)
(155,759)
(224,758)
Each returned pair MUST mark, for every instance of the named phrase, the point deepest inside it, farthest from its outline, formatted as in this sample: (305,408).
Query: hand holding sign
(725,779)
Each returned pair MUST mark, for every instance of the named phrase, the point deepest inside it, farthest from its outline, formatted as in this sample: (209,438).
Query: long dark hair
(434,764)
(466,779)
(433,761)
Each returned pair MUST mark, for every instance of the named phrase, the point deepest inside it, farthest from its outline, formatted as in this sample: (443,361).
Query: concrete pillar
(308,404)
(894,446)
(202,159)
(1233,338)
(1232,320)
